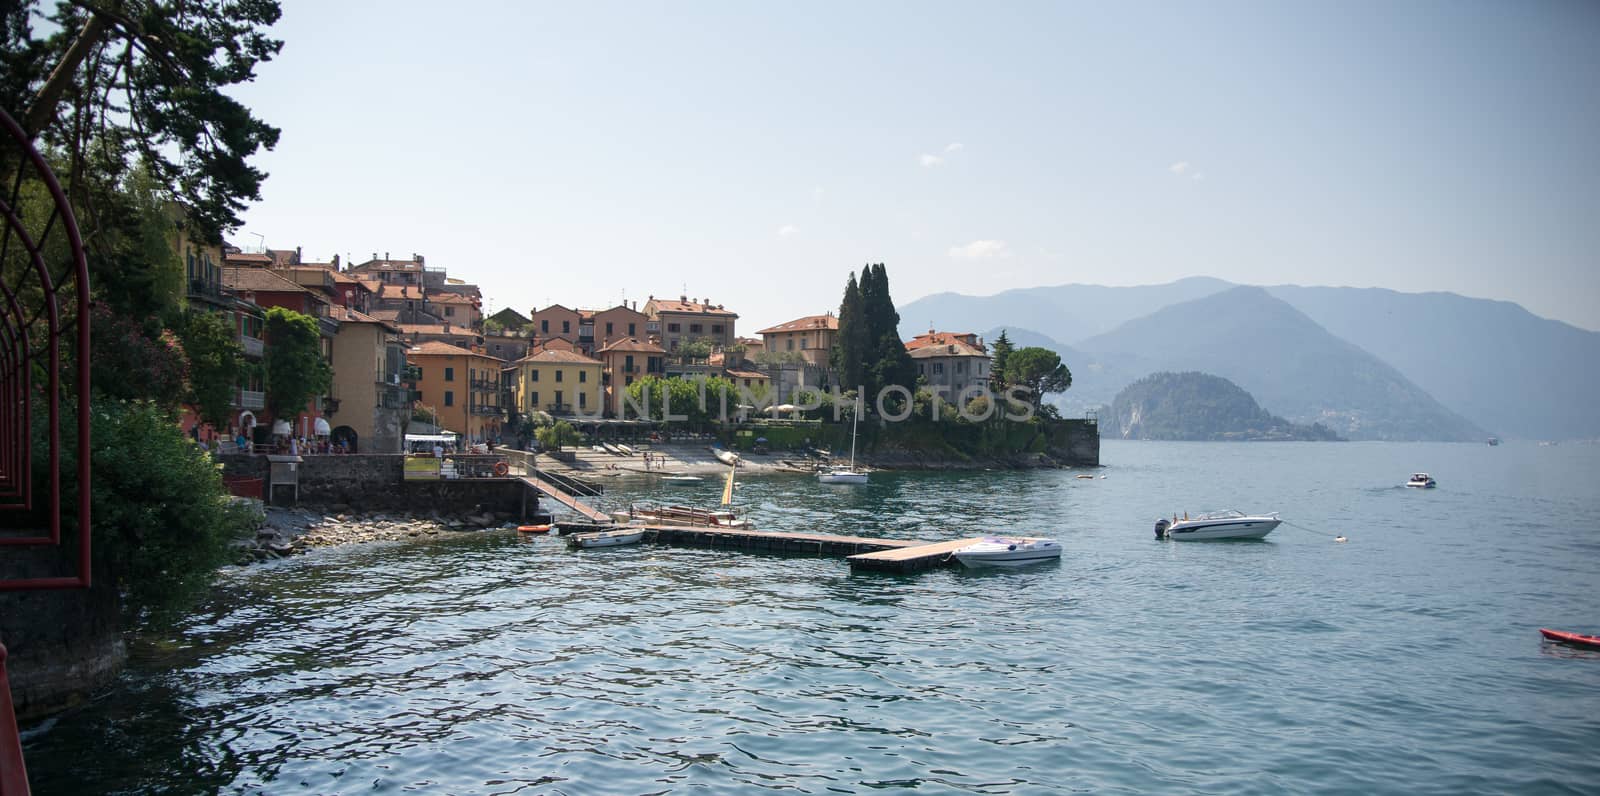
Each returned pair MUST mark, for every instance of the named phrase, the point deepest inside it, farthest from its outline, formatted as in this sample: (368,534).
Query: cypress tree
(850,344)
(997,368)
(890,362)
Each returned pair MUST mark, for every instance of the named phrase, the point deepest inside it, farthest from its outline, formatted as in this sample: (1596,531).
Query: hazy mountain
(1064,312)
(1293,366)
(1197,406)
(1499,365)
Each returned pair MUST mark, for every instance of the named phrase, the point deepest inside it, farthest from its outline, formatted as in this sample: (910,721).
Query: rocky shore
(291,531)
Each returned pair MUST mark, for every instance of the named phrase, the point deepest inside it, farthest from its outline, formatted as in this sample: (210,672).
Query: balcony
(486,410)
(486,385)
(558,409)
(392,396)
(200,288)
(253,347)
(251,399)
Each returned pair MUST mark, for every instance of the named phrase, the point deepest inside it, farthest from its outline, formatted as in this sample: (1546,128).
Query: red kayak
(1576,639)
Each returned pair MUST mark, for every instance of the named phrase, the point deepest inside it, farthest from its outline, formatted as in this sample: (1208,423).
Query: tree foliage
(1001,354)
(1199,406)
(852,340)
(556,435)
(123,82)
(127,364)
(215,364)
(296,371)
(869,338)
(1039,371)
(691,401)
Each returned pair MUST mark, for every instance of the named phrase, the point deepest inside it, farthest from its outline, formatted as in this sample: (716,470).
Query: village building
(625,362)
(368,405)
(460,388)
(955,361)
(557,383)
(685,320)
(556,321)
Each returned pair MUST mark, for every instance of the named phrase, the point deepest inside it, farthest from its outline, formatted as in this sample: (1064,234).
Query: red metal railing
(45,314)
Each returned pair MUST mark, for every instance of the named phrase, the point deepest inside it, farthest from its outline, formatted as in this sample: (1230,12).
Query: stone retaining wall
(375,482)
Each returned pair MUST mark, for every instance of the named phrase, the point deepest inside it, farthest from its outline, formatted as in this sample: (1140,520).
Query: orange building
(627,361)
(461,387)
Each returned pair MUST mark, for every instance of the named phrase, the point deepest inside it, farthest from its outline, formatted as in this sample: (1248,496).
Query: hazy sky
(754,153)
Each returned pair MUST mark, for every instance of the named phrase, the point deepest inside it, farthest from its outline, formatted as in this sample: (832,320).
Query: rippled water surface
(1406,660)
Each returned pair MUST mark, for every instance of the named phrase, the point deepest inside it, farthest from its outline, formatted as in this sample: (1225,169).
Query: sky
(756,153)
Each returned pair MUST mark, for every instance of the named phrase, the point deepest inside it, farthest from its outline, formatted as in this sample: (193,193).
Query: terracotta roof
(748,374)
(437,328)
(553,355)
(247,258)
(695,307)
(956,349)
(400,292)
(258,280)
(808,323)
(444,297)
(347,315)
(436,348)
(386,315)
(944,338)
(554,343)
(633,344)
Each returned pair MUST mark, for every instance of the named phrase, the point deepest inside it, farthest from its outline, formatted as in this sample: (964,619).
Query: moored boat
(620,536)
(846,475)
(1002,551)
(1575,639)
(725,456)
(682,480)
(1228,524)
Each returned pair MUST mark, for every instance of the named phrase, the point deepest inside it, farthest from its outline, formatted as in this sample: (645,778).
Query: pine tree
(890,363)
(997,368)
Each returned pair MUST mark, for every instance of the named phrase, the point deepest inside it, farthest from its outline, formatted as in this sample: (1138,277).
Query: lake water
(1406,660)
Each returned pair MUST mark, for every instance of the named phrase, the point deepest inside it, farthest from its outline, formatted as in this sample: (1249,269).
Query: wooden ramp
(555,493)
(914,558)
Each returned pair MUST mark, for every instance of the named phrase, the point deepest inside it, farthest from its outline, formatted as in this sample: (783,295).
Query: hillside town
(412,351)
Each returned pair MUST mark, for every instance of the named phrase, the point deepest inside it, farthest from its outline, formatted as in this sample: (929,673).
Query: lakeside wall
(376,482)
(62,645)
(955,446)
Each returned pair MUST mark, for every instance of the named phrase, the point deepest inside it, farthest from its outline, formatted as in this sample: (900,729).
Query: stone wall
(1074,442)
(375,482)
(62,645)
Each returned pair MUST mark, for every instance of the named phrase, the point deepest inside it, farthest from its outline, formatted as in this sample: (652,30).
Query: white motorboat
(725,456)
(1422,481)
(1000,551)
(682,480)
(621,536)
(846,475)
(1217,525)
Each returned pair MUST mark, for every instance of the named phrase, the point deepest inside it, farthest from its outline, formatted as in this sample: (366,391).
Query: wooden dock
(558,495)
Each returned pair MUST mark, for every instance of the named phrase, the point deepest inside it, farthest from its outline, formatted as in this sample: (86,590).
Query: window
(559,374)
(449,374)
(631,332)
(558,397)
(629,381)
(608,328)
(716,328)
(672,327)
(961,367)
(566,327)
(803,345)
(534,375)
(583,377)
(544,325)
(695,328)
(449,312)
(583,400)
(627,365)
(790,342)
(535,395)
(938,367)
(449,398)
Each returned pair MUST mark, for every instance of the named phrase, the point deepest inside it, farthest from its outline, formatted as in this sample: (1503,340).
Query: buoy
(500,469)
(533,529)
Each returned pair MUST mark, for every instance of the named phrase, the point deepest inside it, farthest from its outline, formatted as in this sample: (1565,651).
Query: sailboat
(847,475)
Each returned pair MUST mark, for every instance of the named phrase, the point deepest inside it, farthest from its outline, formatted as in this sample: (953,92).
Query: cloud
(955,147)
(787,231)
(1179,168)
(1198,176)
(932,161)
(981,250)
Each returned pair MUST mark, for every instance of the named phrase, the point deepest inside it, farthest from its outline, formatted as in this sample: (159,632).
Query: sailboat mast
(855,417)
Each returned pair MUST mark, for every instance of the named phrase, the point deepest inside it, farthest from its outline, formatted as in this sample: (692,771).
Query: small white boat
(611,449)
(846,475)
(621,536)
(1217,525)
(725,456)
(1000,551)
(1422,481)
(682,480)
(626,451)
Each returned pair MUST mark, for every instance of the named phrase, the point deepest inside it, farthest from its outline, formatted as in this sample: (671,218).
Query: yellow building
(811,338)
(461,387)
(556,382)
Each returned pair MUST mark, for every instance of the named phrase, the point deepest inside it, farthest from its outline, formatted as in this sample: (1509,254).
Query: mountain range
(1369,363)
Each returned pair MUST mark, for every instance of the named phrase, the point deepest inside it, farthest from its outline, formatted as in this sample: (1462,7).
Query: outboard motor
(1161,528)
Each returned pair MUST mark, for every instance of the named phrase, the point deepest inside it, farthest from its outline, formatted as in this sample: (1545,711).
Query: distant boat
(1421,481)
(846,475)
(626,451)
(612,449)
(1000,551)
(1493,441)
(1217,525)
(725,456)
(682,480)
